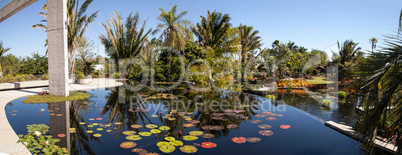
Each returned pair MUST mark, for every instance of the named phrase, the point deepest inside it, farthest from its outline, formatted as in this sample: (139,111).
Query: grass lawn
(318,80)
(55,99)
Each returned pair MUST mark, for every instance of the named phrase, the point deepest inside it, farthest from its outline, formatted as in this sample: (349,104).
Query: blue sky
(314,24)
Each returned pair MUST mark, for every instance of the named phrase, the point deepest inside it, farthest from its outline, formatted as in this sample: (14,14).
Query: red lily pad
(239,140)
(98,119)
(266,132)
(188,149)
(188,125)
(128,145)
(61,135)
(13,114)
(208,145)
(140,151)
(152,153)
(91,119)
(285,126)
(194,121)
(260,115)
(118,123)
(253,139)
(256,121)
(59,115)
(264,126)
(271,118)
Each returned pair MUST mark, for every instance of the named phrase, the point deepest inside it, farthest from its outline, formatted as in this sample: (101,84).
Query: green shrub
(80,75)
(326,103)
(272,97)
(116,75)
(341,94)
(45,77)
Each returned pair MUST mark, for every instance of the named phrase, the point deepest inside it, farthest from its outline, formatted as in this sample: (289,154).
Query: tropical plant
(249,41)
(381,90)
(85,48)
(348,51)
(373,42)
(2,51)
(173,30)
(124,41)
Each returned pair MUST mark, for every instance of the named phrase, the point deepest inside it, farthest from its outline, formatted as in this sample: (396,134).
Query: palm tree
(124,41)
(211,31)
(173,29)
(400,24)
(78,21)
(373,42)
(348,51)
(2,51)
(249,42)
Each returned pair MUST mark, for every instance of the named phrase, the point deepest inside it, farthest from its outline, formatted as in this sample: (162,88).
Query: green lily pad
(190,138)
(176,143)
(90,126)
(188,149)
(159,144)
(82,123)
(133,137)
(196,133)
(164,128)
(171,119)
(155,131)
(128,133)
(90,131)
(97,135)
(170,138)
(145,134)
(154,116)
(107,125)
(151,126)
(167,148)
(95,124)
(108,130)
(99,129)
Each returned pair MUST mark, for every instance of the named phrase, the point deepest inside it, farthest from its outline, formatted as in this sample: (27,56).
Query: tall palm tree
(78,21)
(2,51)
(400,24)
(211,31)
(348,51)
(249,41)
(173,29)
(124,41)
(373,42)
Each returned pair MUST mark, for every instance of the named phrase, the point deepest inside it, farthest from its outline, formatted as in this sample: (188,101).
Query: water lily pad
(59,115)
(194,121)
(256,121)
(99,129)
(190,138)
(260,115)
(91,119)
(159,144)
(97,135)
(129,133)
(170,138)
(188,125)
(264,126)
(151,126)
(107,125)
(90,131)
(271,118)
(90,126)
(239,140)
(145,134)
(176,143)
(140,151)
(133,137)
(171,119)
(217,118)
(232,126)
(164,128)
(95,124)
(154,115)
(266,132)
(196,133)
(82,123)
(118,123)
(128,145)
(155,131)
(285,126)
(13,114)
(208,145)
(108,130)
(253,139)
(72,129)
(52,114)
(188,149)
(61,135)
(208,136)
(167,148)
(279,115)
(98,119)
(136,126)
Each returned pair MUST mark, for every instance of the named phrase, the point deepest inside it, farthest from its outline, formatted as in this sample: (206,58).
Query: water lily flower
(47,142)
(37,133)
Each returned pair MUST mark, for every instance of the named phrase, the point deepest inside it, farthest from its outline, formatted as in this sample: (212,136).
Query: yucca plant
(124,40)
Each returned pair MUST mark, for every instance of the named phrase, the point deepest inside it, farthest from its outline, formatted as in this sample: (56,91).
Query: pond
(229,123)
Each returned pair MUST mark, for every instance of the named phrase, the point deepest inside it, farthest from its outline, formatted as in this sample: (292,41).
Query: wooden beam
(13,7)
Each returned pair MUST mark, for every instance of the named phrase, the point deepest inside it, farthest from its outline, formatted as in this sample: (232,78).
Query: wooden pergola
(57,40)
